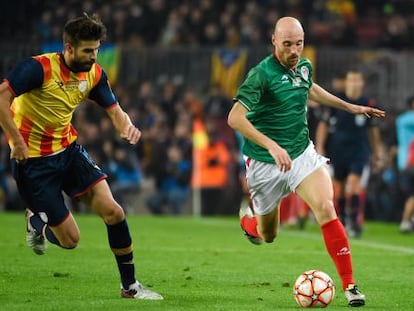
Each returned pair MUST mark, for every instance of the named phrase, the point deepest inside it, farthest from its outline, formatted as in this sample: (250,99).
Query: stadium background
(174,66)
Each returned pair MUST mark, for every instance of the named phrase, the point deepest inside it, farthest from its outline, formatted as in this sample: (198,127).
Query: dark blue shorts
(343,166)
(40,181)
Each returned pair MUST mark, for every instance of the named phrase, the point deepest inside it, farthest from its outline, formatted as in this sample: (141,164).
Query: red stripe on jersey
(65,135)
(98,74)
(47,68)
(73,131)
(46,142)
(82,76)
(26,128)
(65,141)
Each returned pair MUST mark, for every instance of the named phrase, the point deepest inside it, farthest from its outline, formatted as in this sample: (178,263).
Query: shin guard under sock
(121,245)
(337,244)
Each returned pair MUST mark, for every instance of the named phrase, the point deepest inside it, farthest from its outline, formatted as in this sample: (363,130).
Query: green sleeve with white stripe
(251,90)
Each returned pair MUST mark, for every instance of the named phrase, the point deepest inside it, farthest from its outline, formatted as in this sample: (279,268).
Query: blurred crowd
(169,114)
(367,23)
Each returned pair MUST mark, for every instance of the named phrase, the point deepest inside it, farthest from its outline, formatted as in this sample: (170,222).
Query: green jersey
(276,99)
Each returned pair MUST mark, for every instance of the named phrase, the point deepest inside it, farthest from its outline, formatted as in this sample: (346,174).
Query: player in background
(404,125)
(37,101)
(349,140)
(270,112)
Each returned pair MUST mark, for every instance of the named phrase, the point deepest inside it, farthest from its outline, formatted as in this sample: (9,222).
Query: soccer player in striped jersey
(270,112)
(37,101)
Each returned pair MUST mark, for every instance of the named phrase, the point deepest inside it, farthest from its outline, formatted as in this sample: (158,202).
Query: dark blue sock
(355,208)
(121,245)
(342,210)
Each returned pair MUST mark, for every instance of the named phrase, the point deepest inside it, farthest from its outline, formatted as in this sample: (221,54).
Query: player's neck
(280,62)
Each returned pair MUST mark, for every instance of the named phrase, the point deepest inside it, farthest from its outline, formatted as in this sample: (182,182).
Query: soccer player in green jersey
(270,112)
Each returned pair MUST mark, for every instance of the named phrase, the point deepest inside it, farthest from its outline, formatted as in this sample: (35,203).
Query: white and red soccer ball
(314,288)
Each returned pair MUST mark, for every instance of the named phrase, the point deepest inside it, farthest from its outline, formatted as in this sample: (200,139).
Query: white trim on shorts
(268,184)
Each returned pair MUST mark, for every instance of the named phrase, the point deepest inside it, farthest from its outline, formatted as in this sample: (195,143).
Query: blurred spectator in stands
(169,97)
(155,15)
(172,33)
(216,109)
(182,138)
(174,186)
(405,158)
(43,27)
(123,171)
(396,33)
(218,104)
(195,26)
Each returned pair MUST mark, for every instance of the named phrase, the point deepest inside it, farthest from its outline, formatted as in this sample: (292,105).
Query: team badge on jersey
(83,85)
(360,120)
(304,71)
(296,81)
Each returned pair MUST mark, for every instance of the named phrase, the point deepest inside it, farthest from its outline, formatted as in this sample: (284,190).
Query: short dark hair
(84,28)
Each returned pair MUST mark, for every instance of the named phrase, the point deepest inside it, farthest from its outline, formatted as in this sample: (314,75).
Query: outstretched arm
(123,124)
(320,95)
(377,147)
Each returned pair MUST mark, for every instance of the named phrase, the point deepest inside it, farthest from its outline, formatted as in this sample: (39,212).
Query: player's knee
(114,215)
(325,211)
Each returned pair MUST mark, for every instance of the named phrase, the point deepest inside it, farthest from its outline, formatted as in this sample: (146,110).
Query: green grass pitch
(197,264)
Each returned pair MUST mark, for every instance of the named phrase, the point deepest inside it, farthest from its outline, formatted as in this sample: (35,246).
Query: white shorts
(268,184)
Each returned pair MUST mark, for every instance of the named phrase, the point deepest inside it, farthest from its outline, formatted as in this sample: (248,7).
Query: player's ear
(68,47)
(273,39)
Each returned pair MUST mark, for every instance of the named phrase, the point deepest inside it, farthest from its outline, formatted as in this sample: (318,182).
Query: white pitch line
(370,244)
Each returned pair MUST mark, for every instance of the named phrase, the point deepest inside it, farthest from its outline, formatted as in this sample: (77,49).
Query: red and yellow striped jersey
(43,108)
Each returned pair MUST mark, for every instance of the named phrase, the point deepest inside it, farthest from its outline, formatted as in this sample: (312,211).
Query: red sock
(337,245)
(250,226)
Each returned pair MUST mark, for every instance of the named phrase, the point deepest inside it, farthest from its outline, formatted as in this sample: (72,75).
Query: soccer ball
(314,288)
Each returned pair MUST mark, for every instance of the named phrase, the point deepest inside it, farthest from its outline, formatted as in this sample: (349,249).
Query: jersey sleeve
(26,76)
(251,90)
(102,93)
